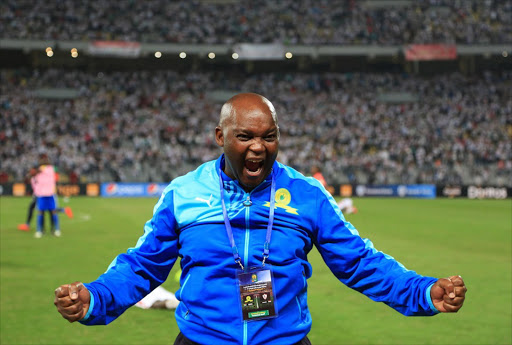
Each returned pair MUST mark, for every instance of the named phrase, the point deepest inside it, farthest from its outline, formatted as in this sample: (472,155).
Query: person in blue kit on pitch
(243,226)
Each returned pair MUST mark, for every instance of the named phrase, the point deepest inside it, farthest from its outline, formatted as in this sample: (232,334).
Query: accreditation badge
(257,296)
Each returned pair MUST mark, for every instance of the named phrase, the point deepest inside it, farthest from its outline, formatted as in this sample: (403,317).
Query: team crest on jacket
(283,198)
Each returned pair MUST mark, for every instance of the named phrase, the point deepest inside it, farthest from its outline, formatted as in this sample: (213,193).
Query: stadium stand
(309,22)
(369,118)
(142,126)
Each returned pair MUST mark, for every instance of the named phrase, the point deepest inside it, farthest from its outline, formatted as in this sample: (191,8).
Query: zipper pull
(248,201)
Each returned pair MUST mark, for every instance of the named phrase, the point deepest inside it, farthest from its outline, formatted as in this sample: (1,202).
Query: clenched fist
(72,301)
(448,294)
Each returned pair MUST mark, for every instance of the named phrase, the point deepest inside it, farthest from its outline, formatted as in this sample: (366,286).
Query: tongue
(252,166)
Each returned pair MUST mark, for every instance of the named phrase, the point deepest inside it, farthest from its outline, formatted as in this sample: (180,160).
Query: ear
(219,136)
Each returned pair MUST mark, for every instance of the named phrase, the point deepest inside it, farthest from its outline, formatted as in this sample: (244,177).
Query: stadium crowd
(153,126)
(309,22)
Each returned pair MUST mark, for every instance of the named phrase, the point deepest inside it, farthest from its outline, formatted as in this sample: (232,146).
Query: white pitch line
(81,218)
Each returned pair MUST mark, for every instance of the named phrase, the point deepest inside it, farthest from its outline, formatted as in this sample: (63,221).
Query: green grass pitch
(437,237)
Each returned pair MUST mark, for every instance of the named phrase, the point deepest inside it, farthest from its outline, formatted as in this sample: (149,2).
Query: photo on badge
(257,299)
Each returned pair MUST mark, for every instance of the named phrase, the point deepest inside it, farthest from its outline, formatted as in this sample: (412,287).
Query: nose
(257,145)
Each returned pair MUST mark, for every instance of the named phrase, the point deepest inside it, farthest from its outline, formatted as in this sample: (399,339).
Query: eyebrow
(248,131)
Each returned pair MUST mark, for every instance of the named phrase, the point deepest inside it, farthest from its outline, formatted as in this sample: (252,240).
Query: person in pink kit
(31,178)
(45,187)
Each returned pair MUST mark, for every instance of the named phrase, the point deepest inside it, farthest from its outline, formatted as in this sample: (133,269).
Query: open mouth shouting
(253,167)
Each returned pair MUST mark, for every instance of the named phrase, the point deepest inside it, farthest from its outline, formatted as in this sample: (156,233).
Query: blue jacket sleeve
(357,264)
(134,274)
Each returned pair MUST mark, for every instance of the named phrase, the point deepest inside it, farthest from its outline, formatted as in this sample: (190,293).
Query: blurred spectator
(263,21)
(146,126)
(4,177)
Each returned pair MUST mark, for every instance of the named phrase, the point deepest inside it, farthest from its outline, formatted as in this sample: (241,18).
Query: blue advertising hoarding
(132,189)
(402,191)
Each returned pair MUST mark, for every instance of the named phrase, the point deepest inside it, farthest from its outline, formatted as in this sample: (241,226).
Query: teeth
(253,165)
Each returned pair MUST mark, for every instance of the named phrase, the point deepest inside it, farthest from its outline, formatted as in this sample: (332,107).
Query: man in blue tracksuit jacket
(243,226)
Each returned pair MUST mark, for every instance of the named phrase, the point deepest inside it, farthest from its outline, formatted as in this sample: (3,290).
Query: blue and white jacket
(188,223)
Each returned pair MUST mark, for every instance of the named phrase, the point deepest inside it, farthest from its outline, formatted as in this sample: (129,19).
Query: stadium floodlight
(183,55)
(211,55)
(158,55)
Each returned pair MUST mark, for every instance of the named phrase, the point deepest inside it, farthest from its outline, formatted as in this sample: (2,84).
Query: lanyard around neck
(266,246)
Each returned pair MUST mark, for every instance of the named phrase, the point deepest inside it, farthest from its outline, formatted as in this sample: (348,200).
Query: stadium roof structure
(467,58)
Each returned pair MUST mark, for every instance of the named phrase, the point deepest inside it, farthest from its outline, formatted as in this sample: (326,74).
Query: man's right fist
(72,301)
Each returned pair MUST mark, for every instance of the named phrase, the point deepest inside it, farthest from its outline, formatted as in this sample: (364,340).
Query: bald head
(245,101)
(249,136)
